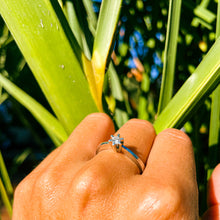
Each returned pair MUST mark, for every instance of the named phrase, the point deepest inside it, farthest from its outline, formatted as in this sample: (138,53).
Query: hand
(213,212)
(75,183)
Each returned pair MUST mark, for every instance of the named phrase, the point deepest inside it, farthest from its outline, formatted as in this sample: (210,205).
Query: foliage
(84,60)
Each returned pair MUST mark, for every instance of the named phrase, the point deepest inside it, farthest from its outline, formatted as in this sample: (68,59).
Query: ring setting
(116,143)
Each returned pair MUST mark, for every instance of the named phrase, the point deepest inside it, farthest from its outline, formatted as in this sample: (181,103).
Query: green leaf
(106,26)
(46,119)
(205,14)
(92,19)
(48,45)
(5,198)
(198,86)
(166,91)
(121,115)
(5,176)
(215,108)
(6,188)
(115,83)
(79,25)
(215,118)
(143,99)
(214,149)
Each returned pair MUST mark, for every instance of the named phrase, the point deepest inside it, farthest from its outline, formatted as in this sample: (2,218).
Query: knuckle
(172,199)
(46,182)
(179,204)
(23,188)
(164,198)
(86,189)
(89,183)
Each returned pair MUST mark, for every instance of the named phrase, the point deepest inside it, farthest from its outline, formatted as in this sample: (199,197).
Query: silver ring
(116,144)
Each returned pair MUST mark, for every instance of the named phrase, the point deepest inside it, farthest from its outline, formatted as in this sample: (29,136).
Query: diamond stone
(116,140)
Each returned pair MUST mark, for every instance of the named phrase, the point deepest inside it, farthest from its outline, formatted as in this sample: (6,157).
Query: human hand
(213,212)
(75,183)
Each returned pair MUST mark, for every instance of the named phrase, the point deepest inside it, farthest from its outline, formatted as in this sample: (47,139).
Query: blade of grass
(214,150)
(47,43)
(198,86)
(106,26)
(115,83)
(46,119)
(5,198)
(79,25)
(215,108)
(5,176)
(204,14)
(166,91)
(143,100)
(121,115)
(3,97)
(215,115)
(92,19)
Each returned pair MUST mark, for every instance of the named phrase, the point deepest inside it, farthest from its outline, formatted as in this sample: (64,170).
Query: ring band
(116,144)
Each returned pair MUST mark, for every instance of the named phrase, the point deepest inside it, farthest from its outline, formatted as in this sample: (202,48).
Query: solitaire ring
(116,143)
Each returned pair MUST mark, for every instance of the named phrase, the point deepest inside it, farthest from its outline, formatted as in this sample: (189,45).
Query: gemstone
(116,140)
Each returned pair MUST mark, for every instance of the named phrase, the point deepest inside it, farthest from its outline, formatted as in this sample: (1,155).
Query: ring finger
(138,138)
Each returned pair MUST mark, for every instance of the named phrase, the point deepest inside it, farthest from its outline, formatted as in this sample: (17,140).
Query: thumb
(213,212)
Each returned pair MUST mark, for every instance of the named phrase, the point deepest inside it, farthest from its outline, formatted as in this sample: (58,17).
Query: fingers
(171,167)
(214,188)
(213,199)
(171,156)
(213,213)
(82,143)
(138,136)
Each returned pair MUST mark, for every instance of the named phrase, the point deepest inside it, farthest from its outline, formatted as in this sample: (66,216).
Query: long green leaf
(166,91)
(92,19)
(47,120)
(78,23)
(215,116)
(106,26)
(5,176)
(200,84)
(47,43)
(205,14)
(5,198)
(215,108)
(121,115)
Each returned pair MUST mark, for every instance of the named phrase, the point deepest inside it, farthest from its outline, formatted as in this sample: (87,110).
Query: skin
(213,199)
(74,182)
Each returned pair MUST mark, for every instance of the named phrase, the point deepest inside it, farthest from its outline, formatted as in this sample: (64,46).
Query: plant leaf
(5,198)
(106,26)
(5,176)
(121,115)
(51,50)
(166,91)
(79,25)
(46,119)
(198,86)
(92,19)
(215,108)
(214,150)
